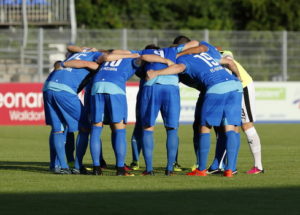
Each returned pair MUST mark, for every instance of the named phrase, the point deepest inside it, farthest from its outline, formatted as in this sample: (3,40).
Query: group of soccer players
(103,74)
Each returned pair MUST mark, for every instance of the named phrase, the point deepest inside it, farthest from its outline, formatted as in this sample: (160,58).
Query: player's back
(112,76)
(212,51)
(168,53)
(71,77)
(203,68)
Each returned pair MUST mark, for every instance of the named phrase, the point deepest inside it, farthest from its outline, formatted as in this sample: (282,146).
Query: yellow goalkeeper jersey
(246,78)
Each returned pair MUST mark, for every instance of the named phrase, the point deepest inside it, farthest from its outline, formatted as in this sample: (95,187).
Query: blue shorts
(163,98)
(221,109)
(108,108)
(63,108)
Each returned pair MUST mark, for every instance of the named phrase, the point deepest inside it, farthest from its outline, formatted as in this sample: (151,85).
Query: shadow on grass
(209,201)
(43,167)
(25,166)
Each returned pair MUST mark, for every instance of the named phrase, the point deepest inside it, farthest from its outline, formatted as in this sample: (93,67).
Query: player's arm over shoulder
(230,64)
(80,64)
(171,70)
(194,50)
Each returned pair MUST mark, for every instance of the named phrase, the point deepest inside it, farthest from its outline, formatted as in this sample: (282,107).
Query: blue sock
(238,139)
(220,150)
(172,147)
(70,146)
(53,164)
(57,163)
(176,159)
(120,146)
(95,144)
(231,147)
(59,140)
(136,142)
(81,145)
(148,149)
(204,145)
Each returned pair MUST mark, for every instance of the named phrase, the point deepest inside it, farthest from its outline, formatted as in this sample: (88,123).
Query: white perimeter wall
(275,102)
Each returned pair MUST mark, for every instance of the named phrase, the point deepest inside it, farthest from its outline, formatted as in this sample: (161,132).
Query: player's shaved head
(181,40)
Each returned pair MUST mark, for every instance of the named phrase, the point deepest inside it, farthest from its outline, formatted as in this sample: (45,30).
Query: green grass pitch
(26,186)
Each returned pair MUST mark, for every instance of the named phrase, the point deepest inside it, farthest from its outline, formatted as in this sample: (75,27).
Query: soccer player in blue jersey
(63,108)
(184,78)
(221,104)
(109,105)
(161,95)
(136,139)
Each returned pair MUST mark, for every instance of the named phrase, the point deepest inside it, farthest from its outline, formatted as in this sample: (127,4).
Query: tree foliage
(190,14)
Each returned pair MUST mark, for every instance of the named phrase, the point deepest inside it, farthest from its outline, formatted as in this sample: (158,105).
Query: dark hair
(152,46)
(56,65)
(181,40)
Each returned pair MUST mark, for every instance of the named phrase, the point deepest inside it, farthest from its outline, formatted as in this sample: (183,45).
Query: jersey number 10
(113,63)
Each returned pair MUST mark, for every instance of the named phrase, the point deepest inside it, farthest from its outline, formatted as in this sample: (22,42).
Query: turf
(27,187)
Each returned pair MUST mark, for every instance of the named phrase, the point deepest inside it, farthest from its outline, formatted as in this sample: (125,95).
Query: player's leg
(70,147)
(149,111)
(148,146)
(238,138)
(116,113)
(97,112)
(136,144)
(203,150)
(119,134)
(196,123)
(220,152)
(231,149)
(82,138)
(81,147)
(231,120)
(255,147)
(136,138)
(54,111)
(170,111)
(172,148)
(248,119)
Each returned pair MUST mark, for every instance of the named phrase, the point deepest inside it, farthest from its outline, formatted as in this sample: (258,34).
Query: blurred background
(263,35)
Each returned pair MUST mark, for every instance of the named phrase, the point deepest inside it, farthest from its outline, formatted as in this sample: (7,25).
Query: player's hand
(169,62)
(150,74)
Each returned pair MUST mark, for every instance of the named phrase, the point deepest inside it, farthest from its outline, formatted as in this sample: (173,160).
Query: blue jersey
(212,51)
(168,53)
(207,72)
(112,76)
(69,79)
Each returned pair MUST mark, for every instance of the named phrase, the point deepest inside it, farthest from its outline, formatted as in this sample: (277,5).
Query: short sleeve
(97,55)
(147,51)
(182,60)
(179,48)
(136,51)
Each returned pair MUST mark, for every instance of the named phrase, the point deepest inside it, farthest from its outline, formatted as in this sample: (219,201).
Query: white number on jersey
(159,52)
(77,56)
(207,59)
(113,63)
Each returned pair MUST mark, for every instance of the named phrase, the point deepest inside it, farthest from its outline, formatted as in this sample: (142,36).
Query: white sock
(255,146)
